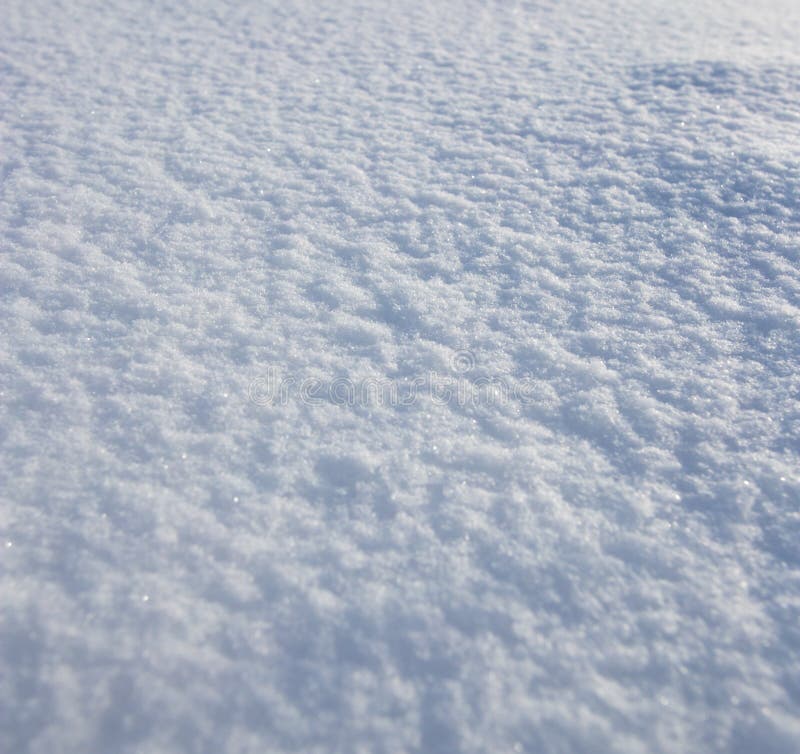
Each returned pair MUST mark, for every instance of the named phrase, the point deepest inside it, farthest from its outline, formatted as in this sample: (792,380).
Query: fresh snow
(411,376)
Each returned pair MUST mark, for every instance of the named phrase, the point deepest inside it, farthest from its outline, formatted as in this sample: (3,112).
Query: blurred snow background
(601,199)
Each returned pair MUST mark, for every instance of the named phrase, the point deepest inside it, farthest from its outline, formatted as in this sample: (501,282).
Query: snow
(593,207)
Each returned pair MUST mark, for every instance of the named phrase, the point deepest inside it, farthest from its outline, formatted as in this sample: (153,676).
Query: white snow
(593,206)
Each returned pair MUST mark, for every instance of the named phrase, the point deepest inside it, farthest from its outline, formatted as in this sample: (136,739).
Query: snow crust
(593,205)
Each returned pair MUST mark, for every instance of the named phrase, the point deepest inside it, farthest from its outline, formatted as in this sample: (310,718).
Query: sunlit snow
(414,376)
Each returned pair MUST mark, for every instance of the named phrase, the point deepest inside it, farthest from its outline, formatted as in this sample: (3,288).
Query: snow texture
(596,201)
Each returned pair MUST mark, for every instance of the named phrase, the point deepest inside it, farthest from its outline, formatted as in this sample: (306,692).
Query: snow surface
(596,204)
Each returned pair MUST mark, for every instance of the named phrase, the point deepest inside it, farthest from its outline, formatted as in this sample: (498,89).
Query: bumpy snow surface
(412,376)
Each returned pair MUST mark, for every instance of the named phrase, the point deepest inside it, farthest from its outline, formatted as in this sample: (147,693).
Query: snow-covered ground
(410,376)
